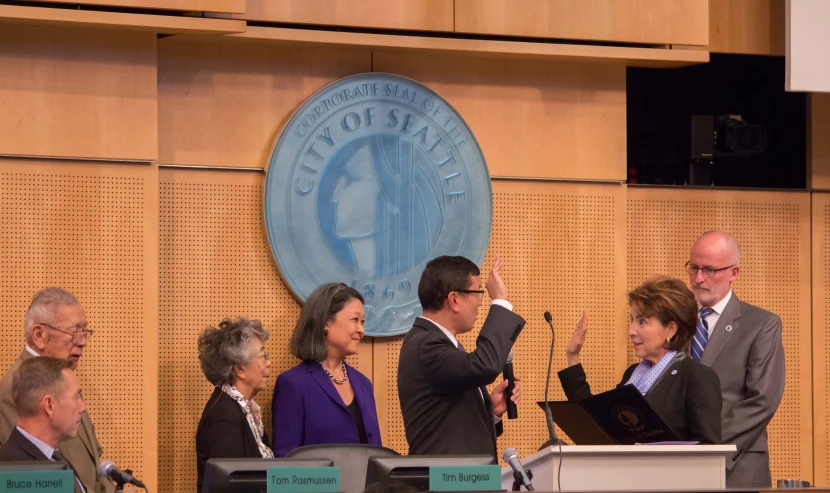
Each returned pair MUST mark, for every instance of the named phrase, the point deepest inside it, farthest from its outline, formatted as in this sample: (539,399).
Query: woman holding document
(684,393)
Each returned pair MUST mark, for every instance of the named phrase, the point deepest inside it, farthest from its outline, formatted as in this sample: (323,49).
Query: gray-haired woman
(323,400)
(233,358)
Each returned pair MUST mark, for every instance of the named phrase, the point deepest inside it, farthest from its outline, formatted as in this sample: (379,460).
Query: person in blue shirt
(683,392)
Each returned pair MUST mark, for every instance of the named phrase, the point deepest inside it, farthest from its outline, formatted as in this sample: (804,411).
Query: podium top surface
(632,450)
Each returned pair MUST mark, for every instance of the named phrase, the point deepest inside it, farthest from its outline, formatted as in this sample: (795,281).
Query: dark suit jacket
(19,448)
(686,395)
(223,432)
(747,352)
(438,386)
(84,451)
(307,410)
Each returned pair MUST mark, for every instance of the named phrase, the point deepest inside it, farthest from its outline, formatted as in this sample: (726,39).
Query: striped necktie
(702,334)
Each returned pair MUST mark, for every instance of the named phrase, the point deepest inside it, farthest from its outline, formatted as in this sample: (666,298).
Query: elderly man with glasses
(55,326)
(743,344)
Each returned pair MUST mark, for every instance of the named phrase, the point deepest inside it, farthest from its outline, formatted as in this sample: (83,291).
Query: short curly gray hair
(223,348)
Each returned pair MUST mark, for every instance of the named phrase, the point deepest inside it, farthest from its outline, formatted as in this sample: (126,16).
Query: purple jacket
(307,410)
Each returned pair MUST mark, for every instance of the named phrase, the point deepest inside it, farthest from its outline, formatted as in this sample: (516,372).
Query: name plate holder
(303,480)
(465,478)
(37,481)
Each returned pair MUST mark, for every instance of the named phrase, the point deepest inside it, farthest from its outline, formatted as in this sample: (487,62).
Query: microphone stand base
(553,442)
(517,479)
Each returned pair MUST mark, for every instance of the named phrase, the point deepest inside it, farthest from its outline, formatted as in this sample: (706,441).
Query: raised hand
(577,339)
(495,286)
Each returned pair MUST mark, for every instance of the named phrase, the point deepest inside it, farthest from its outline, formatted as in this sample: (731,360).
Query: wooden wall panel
(77,93)
(91,229)
(625,21)
(214,262)
(562,247)
(821,336)
(223,102)
(773,230)
(531,119)
(230,6)
(753,27)
(818,144)
(420,15)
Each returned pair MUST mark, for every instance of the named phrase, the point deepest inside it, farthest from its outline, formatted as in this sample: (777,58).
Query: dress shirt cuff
(496,419)
(504,303)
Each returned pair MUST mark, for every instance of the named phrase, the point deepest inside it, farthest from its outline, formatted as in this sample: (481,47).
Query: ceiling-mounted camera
(721,136)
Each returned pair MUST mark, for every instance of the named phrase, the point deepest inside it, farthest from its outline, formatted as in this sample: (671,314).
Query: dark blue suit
(307,410)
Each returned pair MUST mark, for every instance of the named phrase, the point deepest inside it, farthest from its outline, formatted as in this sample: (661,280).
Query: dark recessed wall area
(661,103)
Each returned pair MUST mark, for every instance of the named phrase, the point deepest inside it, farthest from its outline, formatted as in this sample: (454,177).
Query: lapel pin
(674,372)
(729,328)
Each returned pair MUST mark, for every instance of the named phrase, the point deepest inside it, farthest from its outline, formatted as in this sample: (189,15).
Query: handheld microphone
(512,458)
(512,412)
(108,469)
(553,439)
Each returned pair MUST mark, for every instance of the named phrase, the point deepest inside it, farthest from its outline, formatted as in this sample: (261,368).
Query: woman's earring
(325,332)
(668,340)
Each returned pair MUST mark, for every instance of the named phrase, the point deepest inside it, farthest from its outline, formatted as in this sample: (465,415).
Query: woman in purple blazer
(324,400)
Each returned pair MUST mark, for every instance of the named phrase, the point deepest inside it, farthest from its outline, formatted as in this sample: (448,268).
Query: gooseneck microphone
(512,458)
(553,439)
(512,412)
(107,469)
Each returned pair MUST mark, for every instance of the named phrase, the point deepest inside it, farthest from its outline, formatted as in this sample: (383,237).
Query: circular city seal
(372,177)
(628,418)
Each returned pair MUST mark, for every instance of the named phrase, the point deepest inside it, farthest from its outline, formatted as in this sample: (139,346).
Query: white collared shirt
(44,447)
(719,307)
(31,351)
(40,444)
(451,336)
(454,341)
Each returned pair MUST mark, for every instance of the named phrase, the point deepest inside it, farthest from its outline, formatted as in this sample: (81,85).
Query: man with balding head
(56,326)
(47,396)
(743,344)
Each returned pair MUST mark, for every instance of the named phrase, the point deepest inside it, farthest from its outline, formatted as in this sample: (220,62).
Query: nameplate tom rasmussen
(374,175)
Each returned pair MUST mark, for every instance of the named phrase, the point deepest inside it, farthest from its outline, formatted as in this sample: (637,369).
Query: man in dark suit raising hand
(442,388)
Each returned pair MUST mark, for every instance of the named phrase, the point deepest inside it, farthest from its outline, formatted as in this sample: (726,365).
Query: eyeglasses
(479,292)
(707,271)
(77,336)
(264,355)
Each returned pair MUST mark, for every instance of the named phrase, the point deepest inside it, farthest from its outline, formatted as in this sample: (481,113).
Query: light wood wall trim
(223,101)
(818,143)
(623,21)
(162,24)
(751,27)
(226,6)
(78,93)
(554,52)
(532,120)
(415,15)
(821,336)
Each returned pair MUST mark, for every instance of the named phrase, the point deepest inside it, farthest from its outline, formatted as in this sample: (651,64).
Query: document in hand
(617,417)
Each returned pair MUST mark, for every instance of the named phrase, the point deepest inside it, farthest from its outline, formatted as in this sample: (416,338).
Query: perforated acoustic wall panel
(562,247)
(215,262)
(773,230)
(821,336)
(90,229)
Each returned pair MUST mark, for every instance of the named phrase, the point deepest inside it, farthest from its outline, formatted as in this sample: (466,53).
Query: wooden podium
(627,467)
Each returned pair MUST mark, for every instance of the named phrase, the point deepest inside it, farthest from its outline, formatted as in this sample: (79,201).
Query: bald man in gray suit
(743,344)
